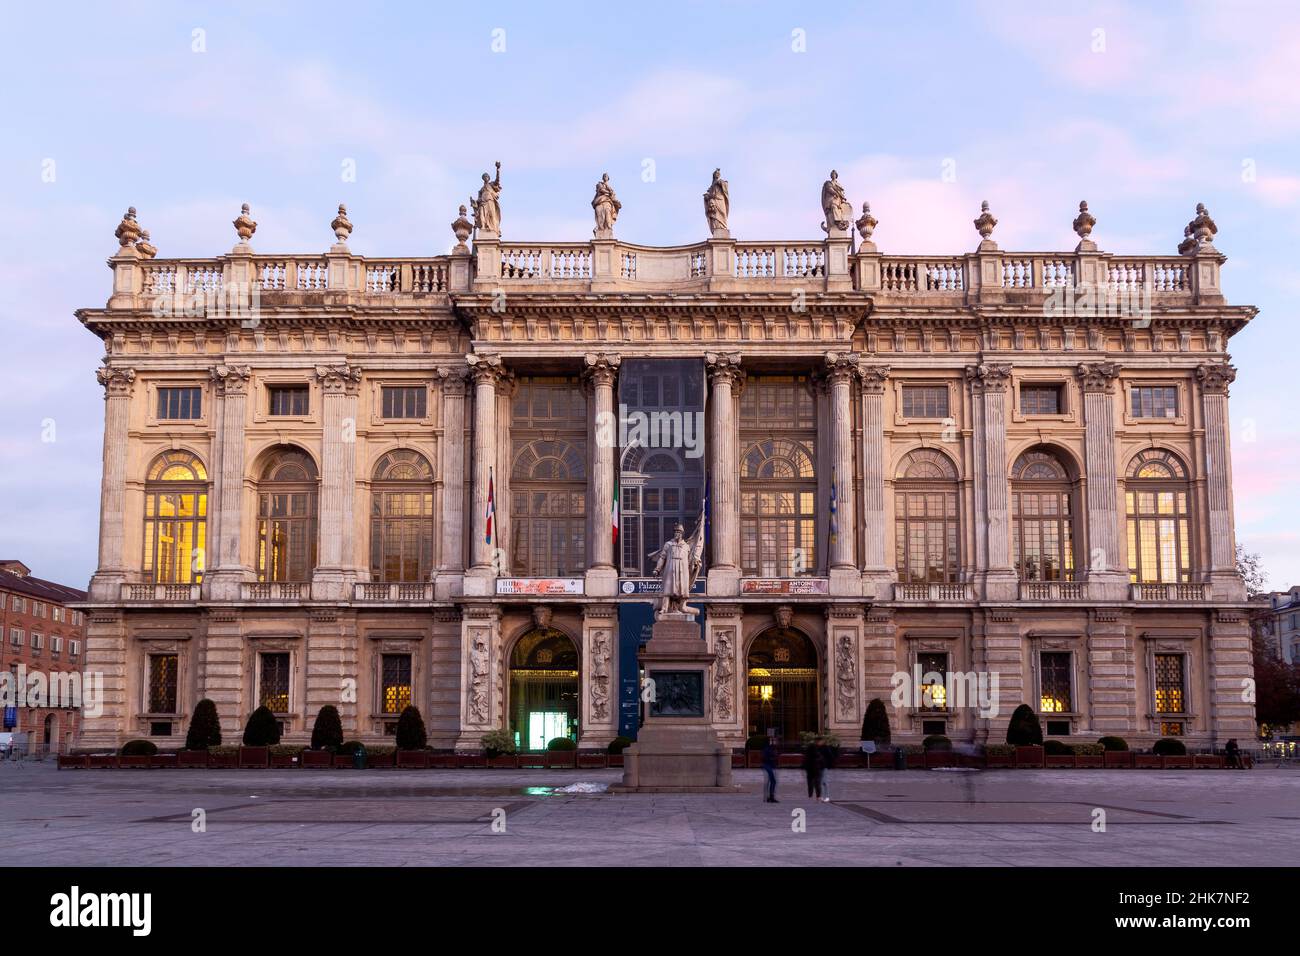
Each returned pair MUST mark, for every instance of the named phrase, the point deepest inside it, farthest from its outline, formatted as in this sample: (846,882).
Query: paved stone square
(444,818)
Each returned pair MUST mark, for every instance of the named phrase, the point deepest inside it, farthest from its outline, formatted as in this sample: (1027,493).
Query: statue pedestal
(677,749)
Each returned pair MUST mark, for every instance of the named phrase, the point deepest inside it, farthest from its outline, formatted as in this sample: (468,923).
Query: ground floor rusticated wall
(794,664)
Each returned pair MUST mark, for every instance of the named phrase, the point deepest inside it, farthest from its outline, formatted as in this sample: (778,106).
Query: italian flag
(613,512)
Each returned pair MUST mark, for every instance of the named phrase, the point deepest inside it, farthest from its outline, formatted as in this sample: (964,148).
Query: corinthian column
(841,370)
(1107,570)
(989,382)
(335,571)
(878,572)
(725,376)
(1214,381)
(451,563)
(225,515)
(118,383)
(600,374)
(487,373)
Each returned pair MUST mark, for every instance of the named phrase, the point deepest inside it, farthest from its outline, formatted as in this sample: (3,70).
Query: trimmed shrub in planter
(561,752)
(343,757)
(1089,755)
(999,755)
(136,753)
(616,760)
(1117,759)
(499,741)
(1029,756)
(618,745)
(205,727)
(285,755)
(223,757)
(262,729)
(503,762)
(936,742)
(317,759)
(561,743)
(327,731)
(1024,729)
(381,757)
(1169,747)
(193,759)
(1057,748)
(1058,761)
(1147,761)
(254,758)
(875,723)
(1110,744)
(411,734)
(412,760)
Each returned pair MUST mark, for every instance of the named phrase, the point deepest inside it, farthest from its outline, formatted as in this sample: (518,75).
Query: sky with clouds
(1142,109)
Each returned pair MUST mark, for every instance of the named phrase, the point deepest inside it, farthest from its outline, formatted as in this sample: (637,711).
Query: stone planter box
(317,759)
(254,757)
(561,759)
(594,761)
(788,761)
(222,761)
(1208,762)
(1061,761)
(381,761)
(163,761)
(971,761)
(443,761)
(284,761)
(471,761)
(1176,763)
(940,758)
(413,760)
(999,761)
(1115,759)
(1147,761)
(342,762)
(1089,760)
(616,760)
(880,760)
(1030,756)
(503,762)
(849,760)
(135,763)
(101,761)
(754,759)
(192,759)
(73,761)
(530,760)
(915,761)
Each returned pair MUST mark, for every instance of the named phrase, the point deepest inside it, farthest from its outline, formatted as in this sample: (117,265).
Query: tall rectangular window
(405,401)
(178,404)
(74,648)
(1169,684)
(925,401)
(396,691)
(288,399)
(163,669)
(778,479)
(934,688)
(16,637)
(1040,399)
(1054,673)
(275,682)
(1154,401)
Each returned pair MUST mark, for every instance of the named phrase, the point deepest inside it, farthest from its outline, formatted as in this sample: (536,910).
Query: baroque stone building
(337,480)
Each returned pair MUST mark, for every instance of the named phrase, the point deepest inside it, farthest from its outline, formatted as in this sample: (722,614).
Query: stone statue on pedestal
(606,206)
(487,207)
(835,205)
(717,206)
(678,564)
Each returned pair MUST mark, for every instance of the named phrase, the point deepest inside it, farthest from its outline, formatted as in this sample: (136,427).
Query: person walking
(1233,753)
(769,771)
(828,761)
(813,764)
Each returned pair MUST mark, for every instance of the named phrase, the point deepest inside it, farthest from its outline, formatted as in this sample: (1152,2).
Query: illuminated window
(286,517)
(175,519)
(1042,534)
(925,519)
(1054,676)
(162,683)
(1157,499)
(396,689)
(1169,684)
(934,689)
(401,518)
(275,682)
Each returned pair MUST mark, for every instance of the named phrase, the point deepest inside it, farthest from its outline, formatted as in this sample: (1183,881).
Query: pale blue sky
(1165,116)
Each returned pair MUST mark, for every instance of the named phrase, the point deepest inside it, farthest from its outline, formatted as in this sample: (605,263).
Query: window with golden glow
(1170,687)
(548,478)
(286,517)
(925,519)
(395,693)
(274,683)
(1055,680)
(162,688)
(778,477)
(934,688)
(1042,517)
(1157,498)
(401,518)
(175,519)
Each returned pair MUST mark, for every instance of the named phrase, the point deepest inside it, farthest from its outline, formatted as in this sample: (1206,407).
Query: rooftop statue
(487,207)
(717,206)
(836,206)
(606,206)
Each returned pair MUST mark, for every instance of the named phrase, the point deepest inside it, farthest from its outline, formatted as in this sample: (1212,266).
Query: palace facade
(330,479)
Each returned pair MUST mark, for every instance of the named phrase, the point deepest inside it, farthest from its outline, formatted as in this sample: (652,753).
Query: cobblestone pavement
(445,818)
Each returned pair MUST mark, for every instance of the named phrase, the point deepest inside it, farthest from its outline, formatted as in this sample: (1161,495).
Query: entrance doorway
(782,685)
(544,689)
(48,733)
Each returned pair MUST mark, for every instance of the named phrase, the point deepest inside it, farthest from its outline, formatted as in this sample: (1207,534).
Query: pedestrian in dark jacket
(769,770)
(814,762)
(1233,752)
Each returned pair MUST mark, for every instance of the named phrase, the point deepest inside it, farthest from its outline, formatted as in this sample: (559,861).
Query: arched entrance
(544,688)
(782,685)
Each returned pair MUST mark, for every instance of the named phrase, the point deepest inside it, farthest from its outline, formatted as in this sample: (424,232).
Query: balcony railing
(933,592)
(279,591)
(399,593)
(1053,591)
(161,593)
(1146,593)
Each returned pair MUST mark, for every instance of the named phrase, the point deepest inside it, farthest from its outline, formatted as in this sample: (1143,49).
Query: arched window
(401,518)
(926,528)
(1042,516)
(175,519)
(286,517)
(548,484)
(1157,498)
(778,479)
